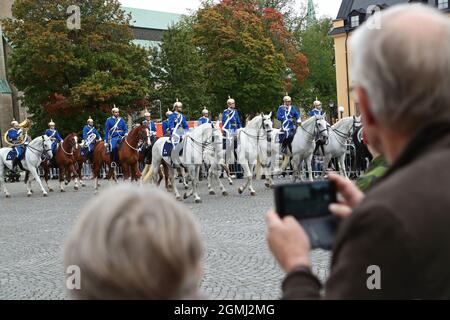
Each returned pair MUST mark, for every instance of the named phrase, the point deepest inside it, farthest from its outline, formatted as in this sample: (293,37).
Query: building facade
(351,15)
(148,28)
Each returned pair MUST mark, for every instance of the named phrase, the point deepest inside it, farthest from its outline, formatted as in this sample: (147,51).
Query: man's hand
(288,241)
(351,196)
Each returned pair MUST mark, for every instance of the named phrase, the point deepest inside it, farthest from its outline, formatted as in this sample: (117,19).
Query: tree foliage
(68,74)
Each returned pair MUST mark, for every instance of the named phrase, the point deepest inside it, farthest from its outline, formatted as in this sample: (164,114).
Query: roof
(150,19)
(348,6)
(4,87)
(146,44)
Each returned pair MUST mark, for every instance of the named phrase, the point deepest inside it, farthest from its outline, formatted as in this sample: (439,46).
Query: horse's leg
(247,175)
(184,179)
(250,186)
(326,162)
(145,171)
(61,178)
(342,169)
(38,179)
(216,174)
(2,179)
(80,173)
(46,177)
(28,183)
(73,173)
(195,179)
(209,179)
(173,176)
(309,166)
(227,173)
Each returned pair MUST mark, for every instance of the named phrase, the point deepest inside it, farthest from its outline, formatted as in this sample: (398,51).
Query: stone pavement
(237,262)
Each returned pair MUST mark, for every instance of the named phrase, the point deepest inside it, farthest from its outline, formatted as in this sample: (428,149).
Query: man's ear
(365,107)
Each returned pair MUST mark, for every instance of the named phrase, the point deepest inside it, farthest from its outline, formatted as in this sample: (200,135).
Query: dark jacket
(402,226)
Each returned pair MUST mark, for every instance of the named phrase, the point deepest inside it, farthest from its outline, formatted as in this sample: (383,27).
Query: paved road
(237,262)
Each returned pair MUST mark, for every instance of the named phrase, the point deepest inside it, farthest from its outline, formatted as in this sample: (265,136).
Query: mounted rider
(205,117)
(90,137)
(290,118)
(151,126)
(177,127)
(15,136)
(53,134)
(231,121)
(317,111)
(115,130)
(165,124)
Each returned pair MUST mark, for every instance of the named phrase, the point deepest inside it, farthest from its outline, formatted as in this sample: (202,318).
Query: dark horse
(64,160)
(128,155)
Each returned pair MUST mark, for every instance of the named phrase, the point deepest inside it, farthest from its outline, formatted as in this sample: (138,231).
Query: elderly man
(394,242)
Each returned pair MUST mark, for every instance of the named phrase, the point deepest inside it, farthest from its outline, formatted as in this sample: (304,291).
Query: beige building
(351,14)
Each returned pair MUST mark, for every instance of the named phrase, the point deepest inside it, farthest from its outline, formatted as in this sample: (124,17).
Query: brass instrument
(25,126)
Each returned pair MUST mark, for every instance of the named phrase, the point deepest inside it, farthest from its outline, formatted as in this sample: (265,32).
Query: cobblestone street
(237,262)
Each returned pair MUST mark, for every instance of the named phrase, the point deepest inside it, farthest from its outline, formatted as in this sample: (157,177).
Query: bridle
(343,135)
(207,144)
(44,151)
(141,138)
(317,131)
(262,127)
(72,145)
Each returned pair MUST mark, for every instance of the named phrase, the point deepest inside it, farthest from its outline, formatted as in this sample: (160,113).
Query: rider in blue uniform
(53,135)
(14,136)
(317,111)
(165,124)
(289,117)
(90,136)
(177,127)
(147,149)
(231,122)
(115,130)
(205,117)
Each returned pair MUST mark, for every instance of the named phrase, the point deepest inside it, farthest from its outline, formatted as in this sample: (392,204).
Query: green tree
(68,74)
(318,47)
(178,71)
(240,47)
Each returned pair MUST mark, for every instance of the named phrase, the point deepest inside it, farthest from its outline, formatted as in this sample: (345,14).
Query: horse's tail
(285,162)
(149,174)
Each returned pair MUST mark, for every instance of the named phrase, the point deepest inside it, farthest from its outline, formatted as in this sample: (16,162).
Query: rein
(68,153)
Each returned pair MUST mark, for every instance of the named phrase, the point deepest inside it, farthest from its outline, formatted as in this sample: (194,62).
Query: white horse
(253,146)
(214,159)
(38,147)
(304,144)
(336,146)
(194,143)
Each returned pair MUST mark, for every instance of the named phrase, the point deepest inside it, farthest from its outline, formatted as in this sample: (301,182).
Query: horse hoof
(28,195)
(50,190)
(231,183)
(185,196)
(224,193)
(178,198)
(212,192)
(62,190)
(83,185)
(240,190)
(186,187)
(7,195)
(253,193)
(267,185)
(66,182)
(198,200)
(76,188)
(45,194)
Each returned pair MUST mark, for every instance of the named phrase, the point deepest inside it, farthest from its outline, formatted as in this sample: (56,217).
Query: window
(354,21)
(442,4)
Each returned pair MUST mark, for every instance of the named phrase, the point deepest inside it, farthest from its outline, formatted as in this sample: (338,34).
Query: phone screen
(305,200)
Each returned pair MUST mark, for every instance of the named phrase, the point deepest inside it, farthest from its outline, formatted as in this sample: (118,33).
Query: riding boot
(112,159)
(15,163)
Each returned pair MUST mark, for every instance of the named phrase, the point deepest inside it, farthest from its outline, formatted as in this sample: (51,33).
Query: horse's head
(266,122)
(72,140)
(322,127)
(47,147)
(143,133)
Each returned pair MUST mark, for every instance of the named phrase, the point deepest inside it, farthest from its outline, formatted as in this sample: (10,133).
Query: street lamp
(160,109)
(341,110)
(333,114)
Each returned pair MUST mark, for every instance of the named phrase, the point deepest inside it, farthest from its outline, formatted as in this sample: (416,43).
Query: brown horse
(128,155)
(64,160)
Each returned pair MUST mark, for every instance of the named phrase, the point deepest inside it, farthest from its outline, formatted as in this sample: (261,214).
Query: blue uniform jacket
(120,130)
(177,118)
(165,127)
(87,131)
(231,120)
(316,112)
(287,117)
(152,128)
(203,120)
(13,136)
(53,134)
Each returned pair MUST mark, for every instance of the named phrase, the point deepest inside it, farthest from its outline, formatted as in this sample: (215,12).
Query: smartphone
(308,202)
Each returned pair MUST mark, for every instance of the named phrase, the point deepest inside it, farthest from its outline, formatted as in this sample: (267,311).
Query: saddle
(167,149)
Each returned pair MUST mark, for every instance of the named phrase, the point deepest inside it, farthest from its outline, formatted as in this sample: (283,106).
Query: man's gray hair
(404,65)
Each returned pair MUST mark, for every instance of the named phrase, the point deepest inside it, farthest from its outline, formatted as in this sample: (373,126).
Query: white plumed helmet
(14,122)
(51,123)
(230,100)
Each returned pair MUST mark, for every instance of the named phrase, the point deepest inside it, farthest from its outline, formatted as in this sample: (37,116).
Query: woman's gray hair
(404,65)
(135,243)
